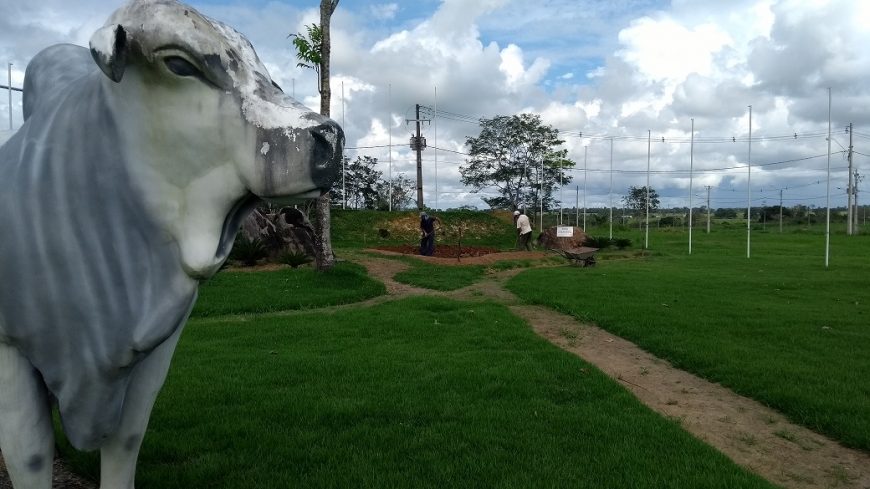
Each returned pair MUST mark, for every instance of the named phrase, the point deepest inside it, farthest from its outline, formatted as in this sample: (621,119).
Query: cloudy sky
(593,69)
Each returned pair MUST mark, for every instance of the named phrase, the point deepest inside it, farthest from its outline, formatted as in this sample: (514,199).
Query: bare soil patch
(483,258)
(63,478)
(442,250)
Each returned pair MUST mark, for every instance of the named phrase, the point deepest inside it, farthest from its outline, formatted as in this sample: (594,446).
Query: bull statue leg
(26,433)
(118,455)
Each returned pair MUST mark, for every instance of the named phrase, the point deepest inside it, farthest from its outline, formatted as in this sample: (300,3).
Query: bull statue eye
(182,67)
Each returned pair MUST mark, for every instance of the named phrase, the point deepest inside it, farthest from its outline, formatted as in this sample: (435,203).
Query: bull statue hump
(138,160)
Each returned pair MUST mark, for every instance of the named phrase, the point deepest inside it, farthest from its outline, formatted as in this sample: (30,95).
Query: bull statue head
(177,73)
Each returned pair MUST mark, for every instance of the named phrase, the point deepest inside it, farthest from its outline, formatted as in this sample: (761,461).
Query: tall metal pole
(390,146)
(435,144)
(584,187)
(855,214)
(419,147)
(541,191)
(708,209)
(828,191)
(648,146)
(749,188)
(577,208)
(561,193)
(611,188)
(691,169)
(10,95)
(343,163)
(849,192)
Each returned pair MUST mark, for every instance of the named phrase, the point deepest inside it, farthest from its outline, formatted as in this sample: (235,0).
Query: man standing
(427,233)
(524,231)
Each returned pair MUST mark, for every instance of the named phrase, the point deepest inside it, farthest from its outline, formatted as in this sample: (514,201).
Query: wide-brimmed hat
(516,213)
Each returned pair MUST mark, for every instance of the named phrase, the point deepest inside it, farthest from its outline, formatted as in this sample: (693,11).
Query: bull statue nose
(328,150)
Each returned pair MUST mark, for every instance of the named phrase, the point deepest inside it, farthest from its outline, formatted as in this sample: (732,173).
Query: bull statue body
(122,191)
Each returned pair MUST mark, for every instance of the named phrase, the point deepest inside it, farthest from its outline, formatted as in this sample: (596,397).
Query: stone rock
(548,239)
(286,230)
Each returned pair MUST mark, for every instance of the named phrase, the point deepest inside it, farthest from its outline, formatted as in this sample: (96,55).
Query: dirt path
(63,477)
(752,435)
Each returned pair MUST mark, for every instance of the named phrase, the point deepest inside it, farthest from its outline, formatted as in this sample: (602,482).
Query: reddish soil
(442,250)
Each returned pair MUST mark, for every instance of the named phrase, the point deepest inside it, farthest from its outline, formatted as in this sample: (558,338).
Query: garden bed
(443,251)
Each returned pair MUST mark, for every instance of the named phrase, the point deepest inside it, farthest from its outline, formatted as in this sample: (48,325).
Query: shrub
(670,221)
(294,258)
(597,242)
(247,251)
(622,243)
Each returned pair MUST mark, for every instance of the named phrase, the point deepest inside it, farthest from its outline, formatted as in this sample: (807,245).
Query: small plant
(247,251)
(294,258)
(622,243)
(600,242)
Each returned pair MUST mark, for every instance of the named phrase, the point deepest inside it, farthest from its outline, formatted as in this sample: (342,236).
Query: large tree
(636,200)
(362,181)
(401,193)
(507,156)
(316,56)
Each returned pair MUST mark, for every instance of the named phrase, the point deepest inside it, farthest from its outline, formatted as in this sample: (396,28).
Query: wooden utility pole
(780,210)
(708,209)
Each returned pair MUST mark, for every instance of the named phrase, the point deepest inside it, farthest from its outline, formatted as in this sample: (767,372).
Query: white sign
(564,232)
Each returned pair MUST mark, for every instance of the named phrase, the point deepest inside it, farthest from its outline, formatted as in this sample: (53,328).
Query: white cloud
(384,11)
(665,50)
(516,74)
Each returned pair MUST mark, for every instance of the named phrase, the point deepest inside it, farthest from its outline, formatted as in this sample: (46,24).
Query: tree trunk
(327,7)
(324,256)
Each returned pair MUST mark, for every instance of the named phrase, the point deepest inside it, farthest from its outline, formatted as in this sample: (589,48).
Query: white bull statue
(124,189)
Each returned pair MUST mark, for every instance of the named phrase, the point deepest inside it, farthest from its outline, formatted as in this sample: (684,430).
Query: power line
(660,139)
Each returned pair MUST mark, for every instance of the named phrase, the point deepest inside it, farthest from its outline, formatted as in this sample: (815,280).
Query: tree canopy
(507,156)
(308,49)
(636,199)
(401,195)
(367,189)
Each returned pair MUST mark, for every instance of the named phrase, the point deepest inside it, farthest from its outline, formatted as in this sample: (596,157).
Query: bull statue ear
(109,47)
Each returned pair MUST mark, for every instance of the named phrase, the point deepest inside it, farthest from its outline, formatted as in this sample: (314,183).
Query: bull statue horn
(109,47)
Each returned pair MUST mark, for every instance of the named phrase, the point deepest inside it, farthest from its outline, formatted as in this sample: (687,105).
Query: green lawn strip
(231,292)
(440,277)
(421,392)
(778,328)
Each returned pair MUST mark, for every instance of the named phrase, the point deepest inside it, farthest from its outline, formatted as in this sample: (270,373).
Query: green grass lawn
(421,392)
(240,292)
(778,327)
